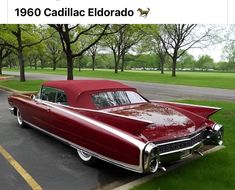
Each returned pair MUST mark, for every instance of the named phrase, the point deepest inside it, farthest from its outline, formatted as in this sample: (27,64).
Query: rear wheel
(20,119)
(86,157)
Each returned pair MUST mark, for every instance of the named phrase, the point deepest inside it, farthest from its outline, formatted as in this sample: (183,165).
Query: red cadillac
(113,122)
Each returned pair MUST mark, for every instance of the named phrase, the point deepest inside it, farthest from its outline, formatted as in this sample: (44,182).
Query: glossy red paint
(119,134)
(167,123)
(203,111)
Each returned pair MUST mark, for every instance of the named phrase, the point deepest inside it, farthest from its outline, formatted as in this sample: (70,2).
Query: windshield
(115,98)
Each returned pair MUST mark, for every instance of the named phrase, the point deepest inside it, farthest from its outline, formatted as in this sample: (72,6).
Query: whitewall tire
(20,118)
(86,157)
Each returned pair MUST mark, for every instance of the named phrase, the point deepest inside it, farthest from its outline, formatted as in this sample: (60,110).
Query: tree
(229,54)
(4,52)
(70,36)
(180,38)
(54,49)
(93,51)
(205,62)
(157,45)
(32,56)
(121,42)
(187,61)
(18,37)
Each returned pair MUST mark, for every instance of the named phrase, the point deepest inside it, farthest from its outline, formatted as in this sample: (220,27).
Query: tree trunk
(79,66)
(54,64)
(116,62)
(116,67)
(35,64)
(1,59)
(0,66)
(42,63)
(20,54)
(174,67)
(93,62)
(162,62)
(162,66)
(123,63)
(21,64)
(69,67)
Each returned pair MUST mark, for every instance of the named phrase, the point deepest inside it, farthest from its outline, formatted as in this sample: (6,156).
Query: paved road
(159,91)
(52,164)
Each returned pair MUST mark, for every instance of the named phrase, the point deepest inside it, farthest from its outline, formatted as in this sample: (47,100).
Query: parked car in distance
(111,121)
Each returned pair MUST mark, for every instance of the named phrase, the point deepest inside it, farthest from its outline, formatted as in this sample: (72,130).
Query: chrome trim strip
(119,133)
(102,111)
(115,162)
(156,101)
(180,140)
(179,150)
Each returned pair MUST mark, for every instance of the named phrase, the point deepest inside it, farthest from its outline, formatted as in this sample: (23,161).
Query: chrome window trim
(135,168)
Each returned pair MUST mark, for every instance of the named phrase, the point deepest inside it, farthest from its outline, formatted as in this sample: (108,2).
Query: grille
(175,146)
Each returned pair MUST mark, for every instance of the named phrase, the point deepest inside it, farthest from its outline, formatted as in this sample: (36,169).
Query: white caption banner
(90,11)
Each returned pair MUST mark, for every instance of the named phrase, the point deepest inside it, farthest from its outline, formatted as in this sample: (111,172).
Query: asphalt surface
(52,164)
(157,91)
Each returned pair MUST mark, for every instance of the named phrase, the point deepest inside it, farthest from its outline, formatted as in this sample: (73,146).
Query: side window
(53,95)
(48,94)
(61,97)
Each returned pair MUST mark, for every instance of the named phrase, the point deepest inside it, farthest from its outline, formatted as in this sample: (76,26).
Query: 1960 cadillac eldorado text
(113,122)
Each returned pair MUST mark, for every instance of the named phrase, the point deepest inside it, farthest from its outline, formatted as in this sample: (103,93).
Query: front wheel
(86,157)
(20,119)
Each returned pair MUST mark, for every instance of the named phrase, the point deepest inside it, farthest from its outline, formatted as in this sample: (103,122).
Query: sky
(214,51)
(226,33)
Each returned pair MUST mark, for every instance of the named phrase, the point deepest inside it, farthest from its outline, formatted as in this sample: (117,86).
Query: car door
(59,122)
(40,110)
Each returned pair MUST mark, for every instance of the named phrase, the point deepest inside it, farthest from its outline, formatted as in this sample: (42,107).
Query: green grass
(32,85)
(203,79)
(211,172)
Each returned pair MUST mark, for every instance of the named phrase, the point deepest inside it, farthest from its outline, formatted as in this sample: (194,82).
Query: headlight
(151,158)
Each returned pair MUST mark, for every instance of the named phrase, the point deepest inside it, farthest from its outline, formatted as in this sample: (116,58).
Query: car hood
(164,122)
